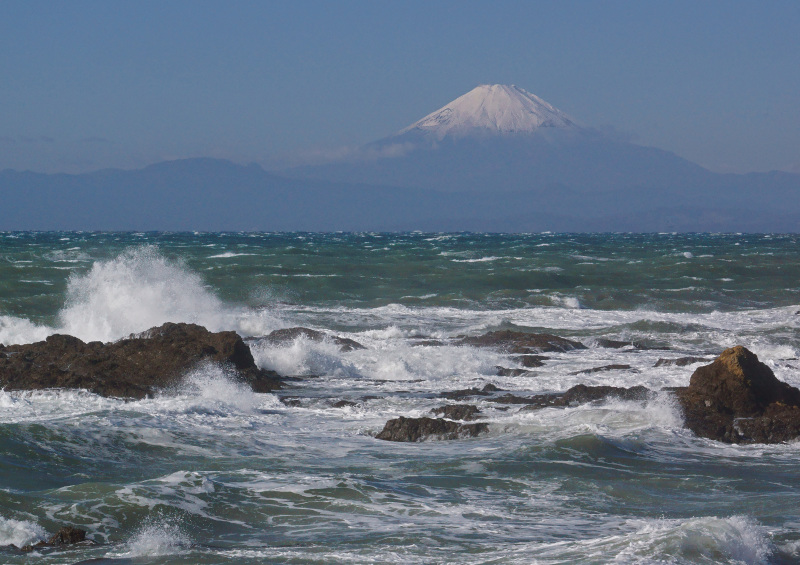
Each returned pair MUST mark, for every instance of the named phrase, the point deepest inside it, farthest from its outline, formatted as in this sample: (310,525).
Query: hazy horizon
(114,85)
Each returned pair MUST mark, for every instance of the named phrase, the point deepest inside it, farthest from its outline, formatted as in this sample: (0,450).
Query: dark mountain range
(496,159)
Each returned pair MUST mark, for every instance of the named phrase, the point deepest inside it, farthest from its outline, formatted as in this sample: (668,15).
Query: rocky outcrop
(419,429)
(521,342)
(458,412)
(604,368)
(288,335)
(67,535)
(738,399)
(531,361)
(577,395)
(129,368)
(680,362)
(506,372)
(467,392)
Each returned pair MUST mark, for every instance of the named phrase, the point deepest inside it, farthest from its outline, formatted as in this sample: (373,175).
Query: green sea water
(212,473)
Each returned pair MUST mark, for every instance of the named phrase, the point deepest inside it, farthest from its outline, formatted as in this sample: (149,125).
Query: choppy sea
(213,473)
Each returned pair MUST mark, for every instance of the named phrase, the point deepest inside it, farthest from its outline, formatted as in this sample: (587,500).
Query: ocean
(210,472)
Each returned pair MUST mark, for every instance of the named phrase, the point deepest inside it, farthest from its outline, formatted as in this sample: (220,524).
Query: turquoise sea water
(212,473)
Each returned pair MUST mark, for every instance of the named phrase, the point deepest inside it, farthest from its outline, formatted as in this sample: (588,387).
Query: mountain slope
(492,109)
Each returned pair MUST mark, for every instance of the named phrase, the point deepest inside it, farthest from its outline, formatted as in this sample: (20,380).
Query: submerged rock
(457,411)
(582,394)
(419,429)
(521,342)
(604,368)
(640,345)
(67,535)
(288,335)
(738,399)
(680,362)
(130,368)
(467,392)
(506,372)
(530,361)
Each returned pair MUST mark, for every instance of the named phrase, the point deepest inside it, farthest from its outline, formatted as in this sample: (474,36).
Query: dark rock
(583,394)
(603,369)
(67,536)
(344,404)
(134,367)
(419,429)
(428,343)
(680,362)
(505,372)
(288,335)
(457,411)
(467,392)
(738,399)
(640,345)
(613,344)
(530,361)
(292,401)
(520,342)
(514,399)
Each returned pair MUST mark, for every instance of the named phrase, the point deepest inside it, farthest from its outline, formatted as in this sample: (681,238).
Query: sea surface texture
(212,473)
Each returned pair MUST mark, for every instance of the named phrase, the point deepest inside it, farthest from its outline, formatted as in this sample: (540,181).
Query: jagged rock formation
(521,342)
(738,399)
(288,335)
(464,412)
(130,368)
(419,429)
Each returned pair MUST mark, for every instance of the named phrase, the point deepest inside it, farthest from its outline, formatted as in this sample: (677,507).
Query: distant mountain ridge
(496,159)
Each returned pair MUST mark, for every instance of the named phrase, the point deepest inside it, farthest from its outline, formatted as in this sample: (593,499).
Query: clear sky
(89,85)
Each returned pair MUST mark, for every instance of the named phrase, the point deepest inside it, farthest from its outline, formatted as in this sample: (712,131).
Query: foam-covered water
(209,472)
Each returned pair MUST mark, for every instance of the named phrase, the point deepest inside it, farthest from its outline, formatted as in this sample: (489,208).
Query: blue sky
(90,85)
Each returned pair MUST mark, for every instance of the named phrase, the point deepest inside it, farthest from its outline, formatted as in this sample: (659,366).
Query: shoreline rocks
(134,367)
(738,399)
(419,429)
(463,412)
(521,342)
(288,335)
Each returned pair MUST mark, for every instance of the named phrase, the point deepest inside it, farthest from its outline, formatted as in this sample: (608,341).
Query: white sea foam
(20,532)
(157,537)
(210,387)
(228,254)
(136,291)
(19,330)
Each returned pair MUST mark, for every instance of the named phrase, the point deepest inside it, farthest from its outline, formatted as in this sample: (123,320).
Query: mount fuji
(496,159)
(506,153)
(502,139)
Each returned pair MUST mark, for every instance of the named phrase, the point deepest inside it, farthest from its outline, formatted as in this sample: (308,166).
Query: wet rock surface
(680,362)
(467,392)
(419,429)
(464,412)
(521,342)
(134,367)
(605,368)
(66,536)
(738,399)
(288,335)
(506,372)
(530,361)
(577,395)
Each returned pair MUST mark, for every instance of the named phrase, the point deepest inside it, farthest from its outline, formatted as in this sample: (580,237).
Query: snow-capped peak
(492,108)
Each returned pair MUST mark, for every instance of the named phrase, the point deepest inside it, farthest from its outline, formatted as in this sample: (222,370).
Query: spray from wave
(133,292)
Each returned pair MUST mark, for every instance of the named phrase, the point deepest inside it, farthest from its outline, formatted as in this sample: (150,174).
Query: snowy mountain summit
(492,109)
